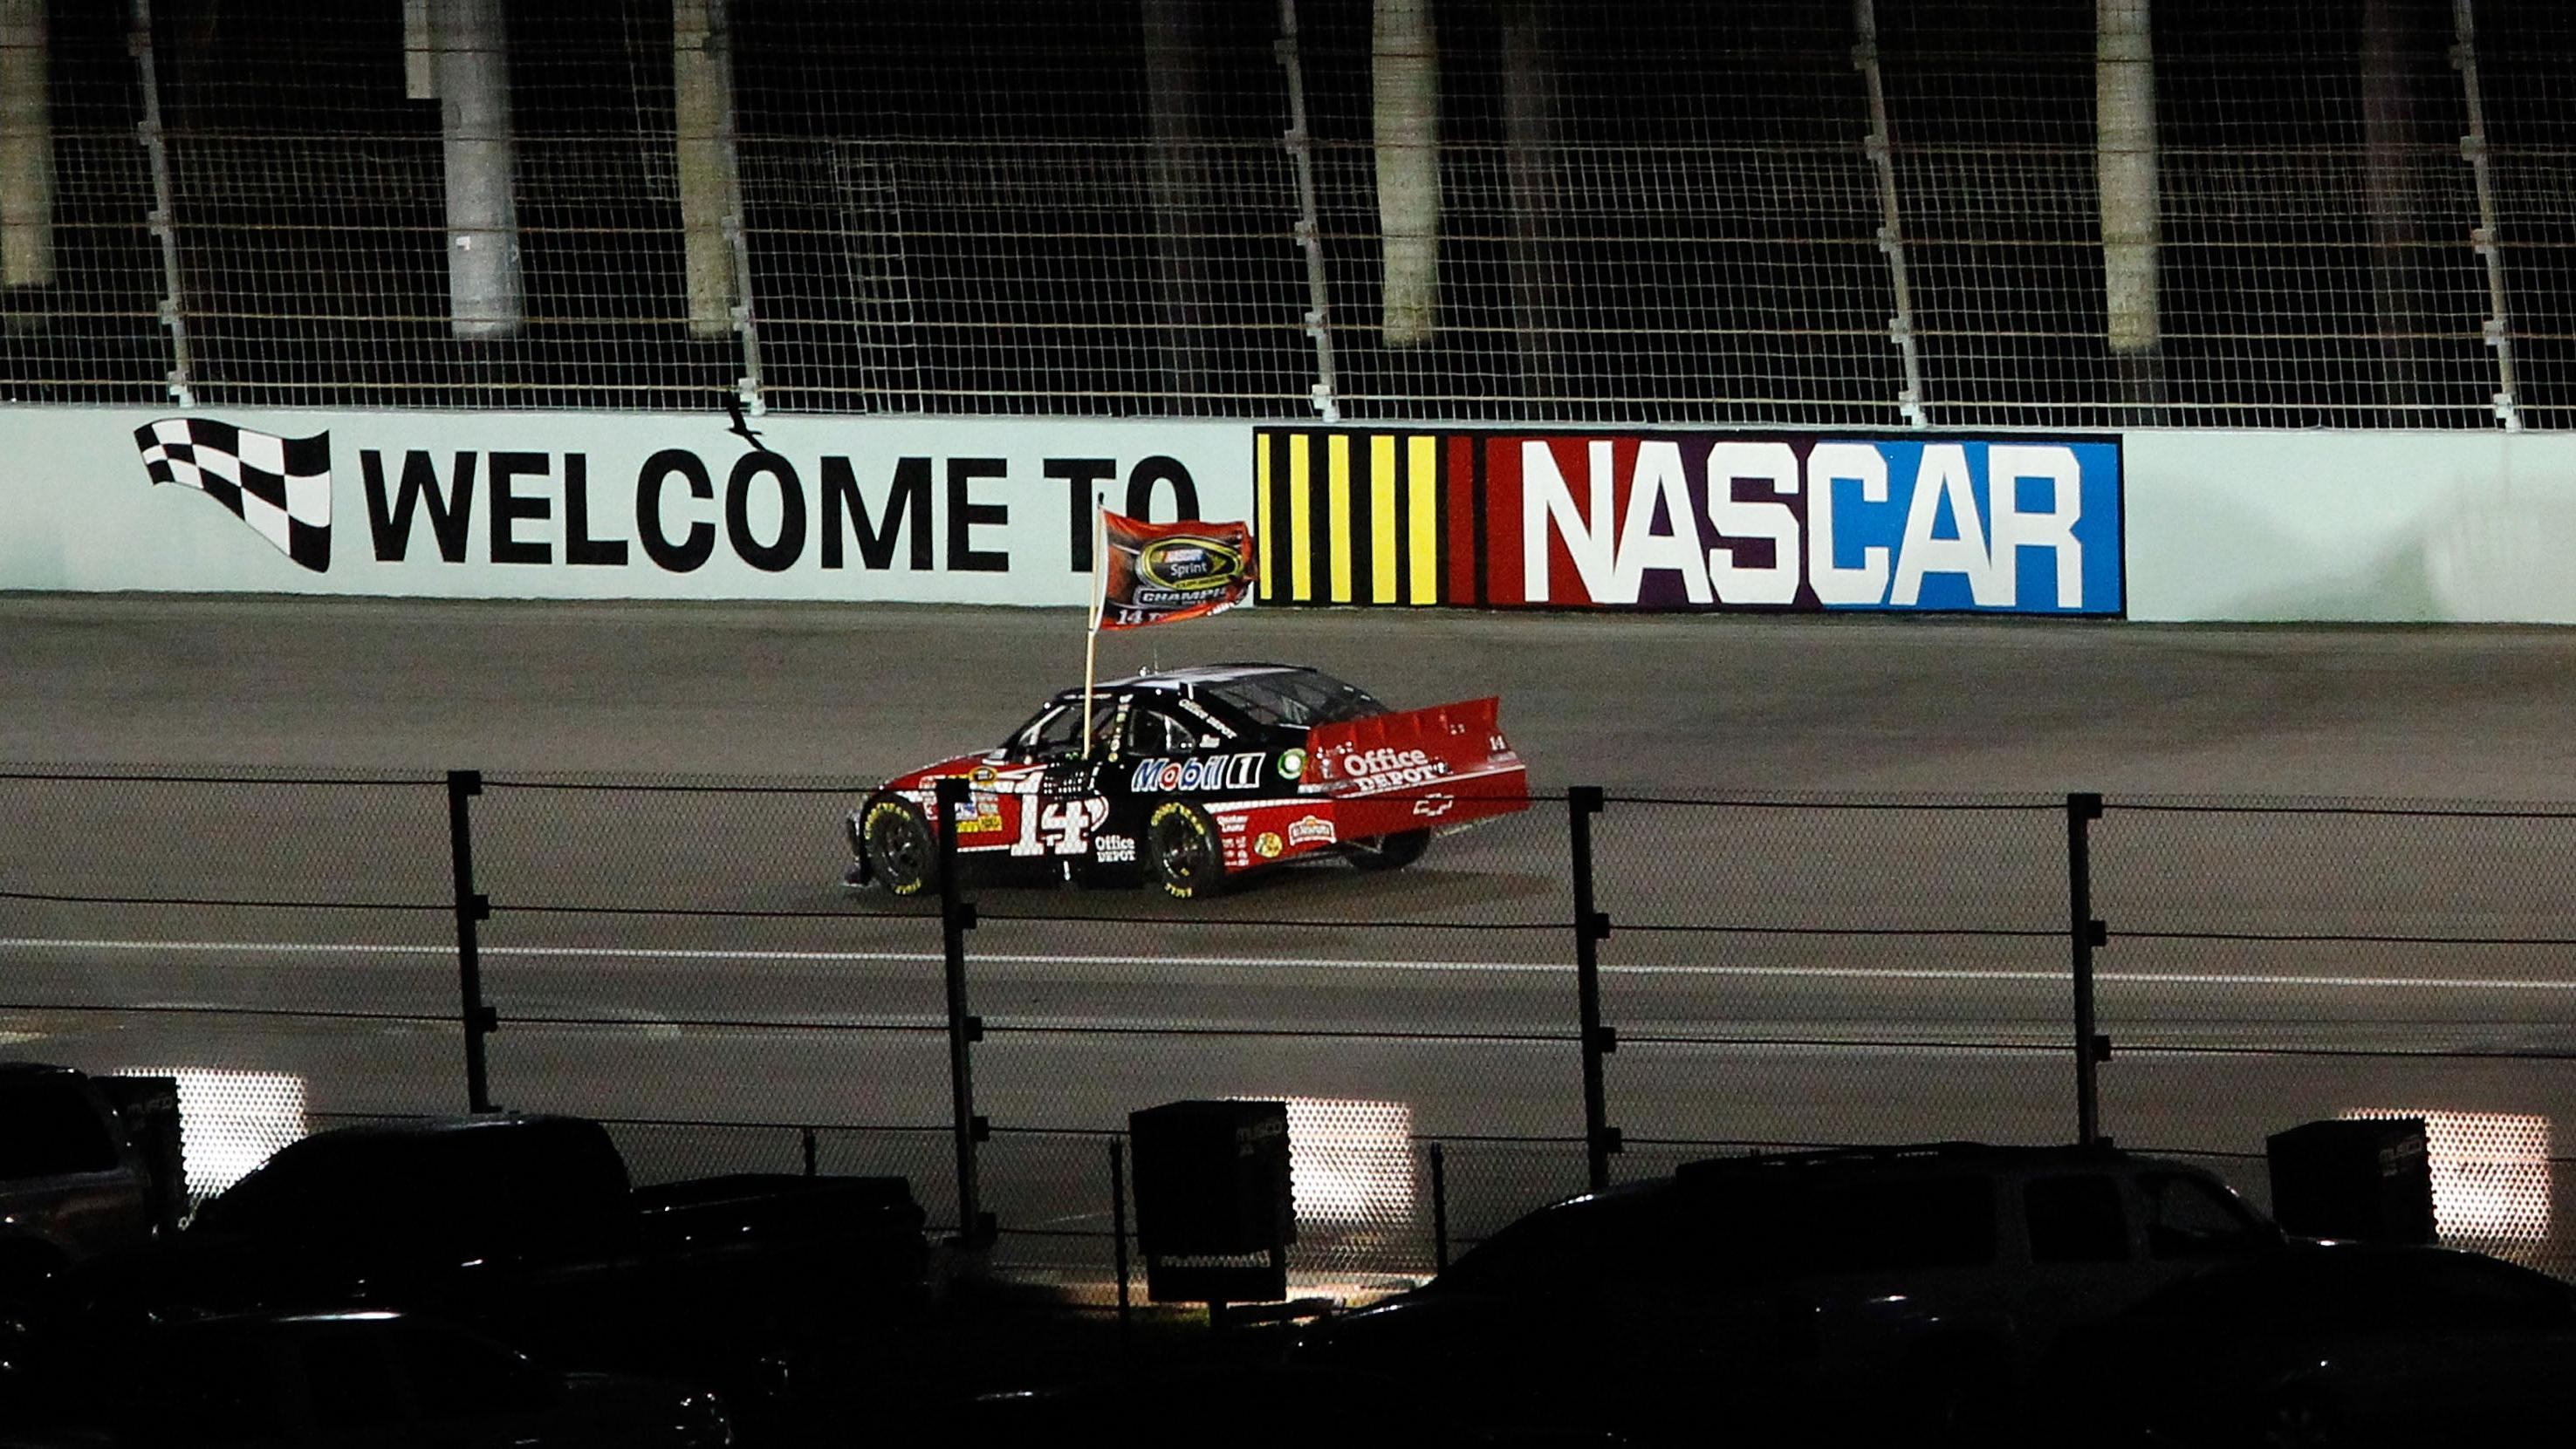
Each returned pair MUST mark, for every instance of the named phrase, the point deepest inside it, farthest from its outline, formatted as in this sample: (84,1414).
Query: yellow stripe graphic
(1301,519)
(1337,477)
(1261,514)
(1423,490)
(1382,563)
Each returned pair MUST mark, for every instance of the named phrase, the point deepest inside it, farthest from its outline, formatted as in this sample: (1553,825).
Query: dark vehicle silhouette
(2332,1343)
(383,1380)
(1256,1405)
(1931,1278)
(75,1179)
(528,1225)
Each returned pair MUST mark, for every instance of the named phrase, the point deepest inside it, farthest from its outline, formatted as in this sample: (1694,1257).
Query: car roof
(1921,1156)
(1188,678)
(408,1129)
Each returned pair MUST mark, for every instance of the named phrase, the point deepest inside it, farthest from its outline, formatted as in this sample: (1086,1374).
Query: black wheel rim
(903,856)
(1188,857)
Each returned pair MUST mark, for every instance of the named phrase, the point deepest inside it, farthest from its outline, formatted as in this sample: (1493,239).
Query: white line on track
(1304,963)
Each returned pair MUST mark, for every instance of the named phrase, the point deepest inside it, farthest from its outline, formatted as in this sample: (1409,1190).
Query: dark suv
(1925,1278)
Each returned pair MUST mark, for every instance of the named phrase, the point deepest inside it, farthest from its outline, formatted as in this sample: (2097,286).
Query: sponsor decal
(1211,721)
(1202,773)
(987,808)
(1432,807)
(1697,520)
(1230,824)
(1268,846)
(1184,564)
(1313,830)
(983,775)
(1292,763)
(1385,768)
(1113,849)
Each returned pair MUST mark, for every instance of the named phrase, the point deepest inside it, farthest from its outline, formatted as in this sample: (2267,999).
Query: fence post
(2083,934)
(1591,928)
(956,918)
(1439,1210)
(471,907)
(1118,1229)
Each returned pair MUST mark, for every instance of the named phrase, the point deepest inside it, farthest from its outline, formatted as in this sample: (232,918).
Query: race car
(1192,779)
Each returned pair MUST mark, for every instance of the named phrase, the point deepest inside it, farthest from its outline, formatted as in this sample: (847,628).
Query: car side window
(1056,733)
(1877,1227)
(53,1129)
(2076,1219)
(1152,732)
(2187,1218)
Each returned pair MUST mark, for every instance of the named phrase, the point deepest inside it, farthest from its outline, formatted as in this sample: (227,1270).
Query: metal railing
(1590,991)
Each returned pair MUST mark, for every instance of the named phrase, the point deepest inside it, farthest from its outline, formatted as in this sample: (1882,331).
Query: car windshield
(1300,698)
(1052,732)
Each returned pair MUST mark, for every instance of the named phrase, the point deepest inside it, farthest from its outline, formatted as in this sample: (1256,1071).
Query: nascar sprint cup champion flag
(1160,573)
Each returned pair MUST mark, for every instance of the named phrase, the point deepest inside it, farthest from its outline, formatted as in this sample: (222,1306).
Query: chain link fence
(2287,213)
(680,959)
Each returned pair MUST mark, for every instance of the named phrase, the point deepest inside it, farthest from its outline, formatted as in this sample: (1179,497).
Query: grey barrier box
(1214,1214)
(2366,1179)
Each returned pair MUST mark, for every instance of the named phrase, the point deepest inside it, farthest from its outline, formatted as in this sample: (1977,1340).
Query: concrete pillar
(2124,89)
(1175,86)
(485,296)
(1529,145)
(1405,71)
(2394,42)
(709,167)
(26,148)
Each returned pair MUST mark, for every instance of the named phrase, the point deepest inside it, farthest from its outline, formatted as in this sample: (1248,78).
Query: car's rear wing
(1416,767)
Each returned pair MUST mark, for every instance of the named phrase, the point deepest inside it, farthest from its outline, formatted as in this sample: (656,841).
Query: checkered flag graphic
(281,487)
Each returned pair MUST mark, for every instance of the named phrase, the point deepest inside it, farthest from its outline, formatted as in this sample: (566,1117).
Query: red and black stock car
(1194,777)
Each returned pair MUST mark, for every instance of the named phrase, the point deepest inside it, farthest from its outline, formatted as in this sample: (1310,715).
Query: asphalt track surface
(1819,958)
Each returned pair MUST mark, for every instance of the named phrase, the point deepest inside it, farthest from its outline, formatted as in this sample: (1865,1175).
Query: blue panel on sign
(1998,525)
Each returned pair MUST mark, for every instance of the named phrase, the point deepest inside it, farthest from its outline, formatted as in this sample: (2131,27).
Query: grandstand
(2353,213)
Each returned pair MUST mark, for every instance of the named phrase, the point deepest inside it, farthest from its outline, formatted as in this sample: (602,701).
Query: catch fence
(1970,213)
(1590,991)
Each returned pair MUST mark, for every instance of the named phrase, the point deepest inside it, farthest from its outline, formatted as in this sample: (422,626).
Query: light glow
(2490,1173)
(1351,1163)
(229,1122)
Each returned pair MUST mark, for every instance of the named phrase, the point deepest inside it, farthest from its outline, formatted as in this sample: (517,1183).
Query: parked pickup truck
(87,1164)
(526,1226)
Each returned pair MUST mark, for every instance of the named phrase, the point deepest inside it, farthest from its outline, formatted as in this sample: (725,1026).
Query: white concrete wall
(2381,527)
(77,511)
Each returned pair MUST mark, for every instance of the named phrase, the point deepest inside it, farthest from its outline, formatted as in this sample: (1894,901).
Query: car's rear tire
(901,850)
(1391,852)
(1184,852)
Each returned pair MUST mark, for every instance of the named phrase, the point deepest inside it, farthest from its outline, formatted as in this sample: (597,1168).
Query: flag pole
(1099,587)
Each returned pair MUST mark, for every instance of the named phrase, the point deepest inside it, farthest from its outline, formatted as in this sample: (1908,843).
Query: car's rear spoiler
(1441,765)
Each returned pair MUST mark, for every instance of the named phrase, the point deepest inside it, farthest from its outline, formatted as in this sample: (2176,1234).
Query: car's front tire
(1184,852)
(1390,852)
(901,852)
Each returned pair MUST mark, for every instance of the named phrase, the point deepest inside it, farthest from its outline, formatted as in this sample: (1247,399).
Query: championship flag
(1160,573)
